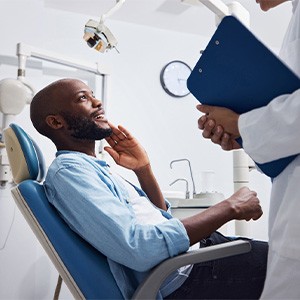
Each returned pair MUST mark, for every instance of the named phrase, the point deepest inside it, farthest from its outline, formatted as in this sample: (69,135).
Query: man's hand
(127,152)
(245,205)
(242,205)
(125,149)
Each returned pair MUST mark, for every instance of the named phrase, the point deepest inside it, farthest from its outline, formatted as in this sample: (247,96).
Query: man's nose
(96,102)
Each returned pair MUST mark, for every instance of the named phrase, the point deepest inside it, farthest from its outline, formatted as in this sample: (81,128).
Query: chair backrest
(84,269)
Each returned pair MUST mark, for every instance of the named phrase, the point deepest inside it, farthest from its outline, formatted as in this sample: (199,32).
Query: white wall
(167,127)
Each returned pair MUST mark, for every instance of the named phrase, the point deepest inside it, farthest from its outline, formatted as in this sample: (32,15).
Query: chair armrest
(149,287)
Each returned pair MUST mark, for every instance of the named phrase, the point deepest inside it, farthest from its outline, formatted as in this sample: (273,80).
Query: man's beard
(85,129)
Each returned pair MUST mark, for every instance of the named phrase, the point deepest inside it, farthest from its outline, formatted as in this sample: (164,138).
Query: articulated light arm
(111,11)
(25,51)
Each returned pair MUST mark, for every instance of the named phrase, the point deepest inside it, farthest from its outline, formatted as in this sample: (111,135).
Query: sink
(201,200)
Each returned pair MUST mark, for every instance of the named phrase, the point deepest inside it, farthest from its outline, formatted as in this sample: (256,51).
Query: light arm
(111,11)
(24,50)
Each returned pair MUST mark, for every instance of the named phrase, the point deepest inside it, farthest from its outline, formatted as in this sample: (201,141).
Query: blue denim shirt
(95,206)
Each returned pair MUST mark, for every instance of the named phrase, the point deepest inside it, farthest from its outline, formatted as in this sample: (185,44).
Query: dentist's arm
(127,152)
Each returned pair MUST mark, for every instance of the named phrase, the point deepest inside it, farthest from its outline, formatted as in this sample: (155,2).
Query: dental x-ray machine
(242,163)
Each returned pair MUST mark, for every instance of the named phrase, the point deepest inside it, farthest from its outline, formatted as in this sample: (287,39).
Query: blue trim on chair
(88,267)
(41,162)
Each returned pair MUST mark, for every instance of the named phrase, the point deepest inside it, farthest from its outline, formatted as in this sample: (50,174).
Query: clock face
(173,78)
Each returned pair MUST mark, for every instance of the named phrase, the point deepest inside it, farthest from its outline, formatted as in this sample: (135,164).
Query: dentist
(270,133)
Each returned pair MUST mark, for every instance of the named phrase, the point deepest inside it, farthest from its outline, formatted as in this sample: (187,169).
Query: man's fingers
(114,154)
(111,141)
(125,132)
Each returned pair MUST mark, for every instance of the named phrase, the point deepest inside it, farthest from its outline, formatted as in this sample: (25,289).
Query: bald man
(132,225)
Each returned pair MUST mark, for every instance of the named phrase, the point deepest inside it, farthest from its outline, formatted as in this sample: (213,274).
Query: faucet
(185,159)
(187,193)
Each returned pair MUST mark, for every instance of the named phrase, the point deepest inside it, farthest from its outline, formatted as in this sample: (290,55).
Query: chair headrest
(25,157)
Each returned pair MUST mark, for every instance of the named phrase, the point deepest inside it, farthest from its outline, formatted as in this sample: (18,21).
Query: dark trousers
(237,277)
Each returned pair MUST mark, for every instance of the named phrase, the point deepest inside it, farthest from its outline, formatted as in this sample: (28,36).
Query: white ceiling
(177,16)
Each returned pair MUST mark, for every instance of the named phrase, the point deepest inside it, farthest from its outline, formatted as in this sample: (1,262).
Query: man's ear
(55,121)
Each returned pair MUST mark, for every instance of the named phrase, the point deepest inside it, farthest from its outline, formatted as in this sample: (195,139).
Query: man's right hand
(126,150)
(242,205)
(245,205)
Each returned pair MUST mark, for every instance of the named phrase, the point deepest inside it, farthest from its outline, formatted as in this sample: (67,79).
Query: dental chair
(83,268)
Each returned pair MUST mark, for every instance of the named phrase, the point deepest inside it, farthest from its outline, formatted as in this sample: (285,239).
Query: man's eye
(83,97)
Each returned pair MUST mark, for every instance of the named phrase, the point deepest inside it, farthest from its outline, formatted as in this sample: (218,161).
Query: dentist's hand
(125,149)
(224,117)
(220,125)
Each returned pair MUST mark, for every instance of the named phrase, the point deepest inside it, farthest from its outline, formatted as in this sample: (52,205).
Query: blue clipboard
(237,71)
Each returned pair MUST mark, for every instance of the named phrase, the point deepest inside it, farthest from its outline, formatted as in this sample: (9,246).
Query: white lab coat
(270,133)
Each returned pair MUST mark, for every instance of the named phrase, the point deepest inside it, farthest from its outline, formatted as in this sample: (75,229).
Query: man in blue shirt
(132,225)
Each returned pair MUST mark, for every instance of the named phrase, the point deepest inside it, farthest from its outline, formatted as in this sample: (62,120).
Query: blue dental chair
(84,269)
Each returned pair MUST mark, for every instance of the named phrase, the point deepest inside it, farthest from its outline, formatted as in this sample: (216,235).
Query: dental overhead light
(97,35)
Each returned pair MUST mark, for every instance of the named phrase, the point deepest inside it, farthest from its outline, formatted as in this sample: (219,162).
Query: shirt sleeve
(92,208)
(272,132)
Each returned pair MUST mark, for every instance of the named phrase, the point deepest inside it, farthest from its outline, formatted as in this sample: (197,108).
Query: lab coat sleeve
(272,132)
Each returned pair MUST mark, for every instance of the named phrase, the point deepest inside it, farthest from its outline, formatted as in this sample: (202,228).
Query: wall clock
(173,78)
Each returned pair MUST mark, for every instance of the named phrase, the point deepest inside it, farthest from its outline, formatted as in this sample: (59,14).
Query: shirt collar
(101,162)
